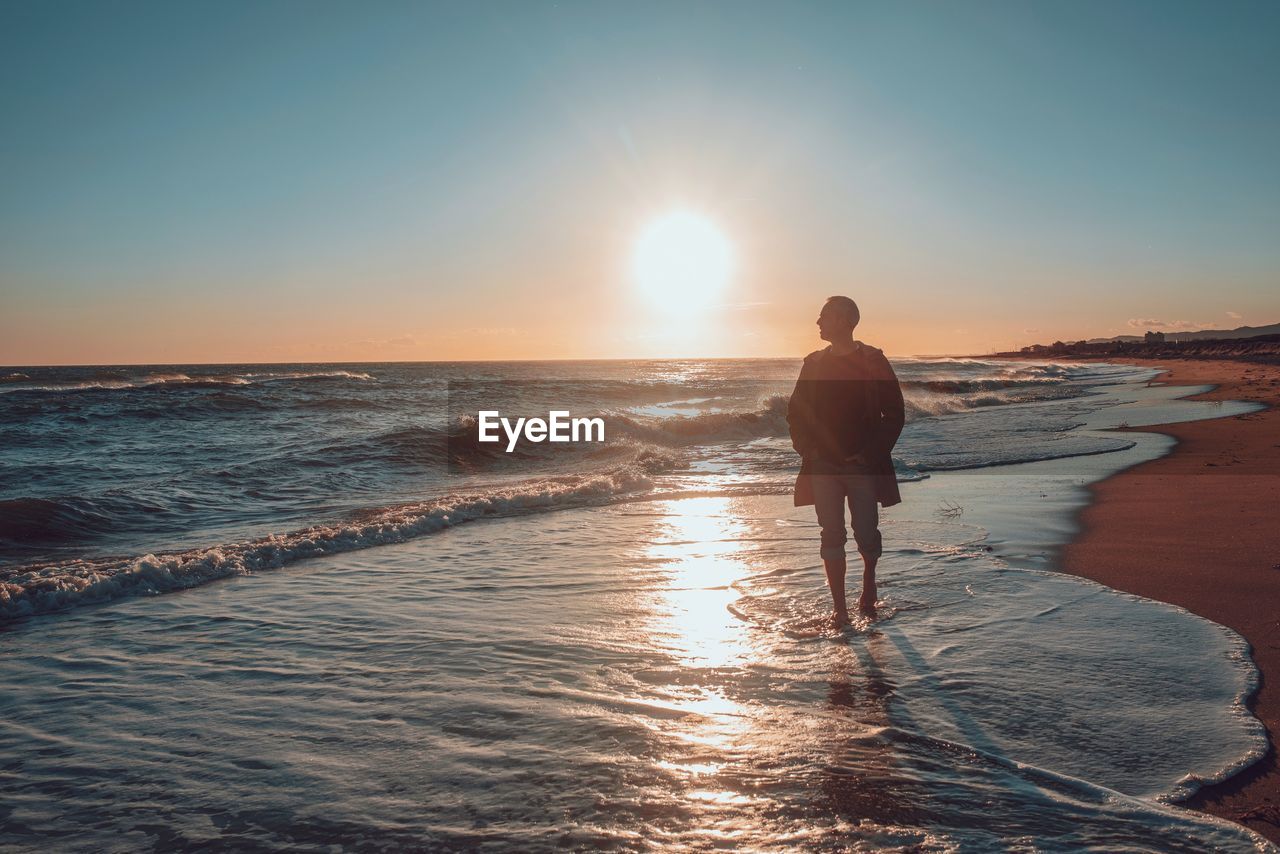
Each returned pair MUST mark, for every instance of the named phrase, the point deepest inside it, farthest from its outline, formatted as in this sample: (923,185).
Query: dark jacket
(846,405)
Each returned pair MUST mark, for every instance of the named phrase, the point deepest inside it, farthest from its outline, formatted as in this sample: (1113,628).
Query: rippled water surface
(623,677)
(623,648)
(121,480)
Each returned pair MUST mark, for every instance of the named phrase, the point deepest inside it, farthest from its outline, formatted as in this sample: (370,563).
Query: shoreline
(1149,532)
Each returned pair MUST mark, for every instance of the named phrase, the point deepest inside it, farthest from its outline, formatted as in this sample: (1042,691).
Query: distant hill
(1201,335)
(1257,348)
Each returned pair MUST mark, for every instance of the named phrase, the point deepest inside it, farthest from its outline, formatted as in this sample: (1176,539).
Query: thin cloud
(1235,315)
(1165,325)
(385,343)
(493,330)
(397,343)
(481,332)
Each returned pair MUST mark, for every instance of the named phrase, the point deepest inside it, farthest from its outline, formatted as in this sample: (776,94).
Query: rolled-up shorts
(830,493)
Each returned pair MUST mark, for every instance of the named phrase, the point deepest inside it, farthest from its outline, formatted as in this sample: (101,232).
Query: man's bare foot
(839,619)
(867,601)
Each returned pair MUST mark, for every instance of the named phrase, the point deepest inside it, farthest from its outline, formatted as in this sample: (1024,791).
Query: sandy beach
(1196,528)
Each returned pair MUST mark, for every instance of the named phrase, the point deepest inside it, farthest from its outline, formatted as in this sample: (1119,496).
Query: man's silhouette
(846,414)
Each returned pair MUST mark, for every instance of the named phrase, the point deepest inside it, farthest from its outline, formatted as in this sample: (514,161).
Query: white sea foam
(178,379)
(58,586)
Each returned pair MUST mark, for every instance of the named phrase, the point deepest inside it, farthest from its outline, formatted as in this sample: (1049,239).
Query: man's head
(838,318)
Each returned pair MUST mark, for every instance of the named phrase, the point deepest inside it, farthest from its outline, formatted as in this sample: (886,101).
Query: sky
(317,181)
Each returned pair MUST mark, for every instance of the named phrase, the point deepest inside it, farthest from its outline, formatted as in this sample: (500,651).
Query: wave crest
(39,589)
(114,382)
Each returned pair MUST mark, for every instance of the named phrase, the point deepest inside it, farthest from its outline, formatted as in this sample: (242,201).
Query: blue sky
(276,181)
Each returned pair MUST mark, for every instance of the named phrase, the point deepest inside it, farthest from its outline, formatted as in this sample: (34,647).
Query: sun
(682,260)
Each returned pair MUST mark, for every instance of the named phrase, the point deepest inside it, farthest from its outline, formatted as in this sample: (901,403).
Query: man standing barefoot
(846,414)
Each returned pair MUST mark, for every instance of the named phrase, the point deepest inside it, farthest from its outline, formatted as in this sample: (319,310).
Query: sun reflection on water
(701,550)
(722,755)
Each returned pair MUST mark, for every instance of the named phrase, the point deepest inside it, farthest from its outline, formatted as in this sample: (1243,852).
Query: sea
(253,607)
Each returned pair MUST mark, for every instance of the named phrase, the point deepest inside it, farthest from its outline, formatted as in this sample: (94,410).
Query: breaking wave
(163,458)
(56,586)
(112,382)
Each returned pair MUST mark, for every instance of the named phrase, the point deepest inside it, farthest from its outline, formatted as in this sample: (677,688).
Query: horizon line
(469,361)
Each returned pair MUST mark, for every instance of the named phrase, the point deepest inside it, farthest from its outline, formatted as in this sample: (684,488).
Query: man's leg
(835,568)
(829,499)
(866,533)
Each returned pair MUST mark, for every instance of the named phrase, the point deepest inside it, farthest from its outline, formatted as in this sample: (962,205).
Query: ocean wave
(460,443)
(770,419)
(340,403)
(39,589)
(50,520)
(304,376)
(962,461)
(39,522)
(1241,655)
(274,448)
(965,385)
(927,404)
(456,445)
(168,380)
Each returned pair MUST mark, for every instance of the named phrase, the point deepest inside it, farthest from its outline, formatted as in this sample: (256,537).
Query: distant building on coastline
(1159,342)
(1153,345)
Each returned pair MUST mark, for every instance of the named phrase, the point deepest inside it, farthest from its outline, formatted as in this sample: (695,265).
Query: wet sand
(1198,529)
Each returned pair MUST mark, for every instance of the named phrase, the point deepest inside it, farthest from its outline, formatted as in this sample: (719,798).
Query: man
(845,415)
